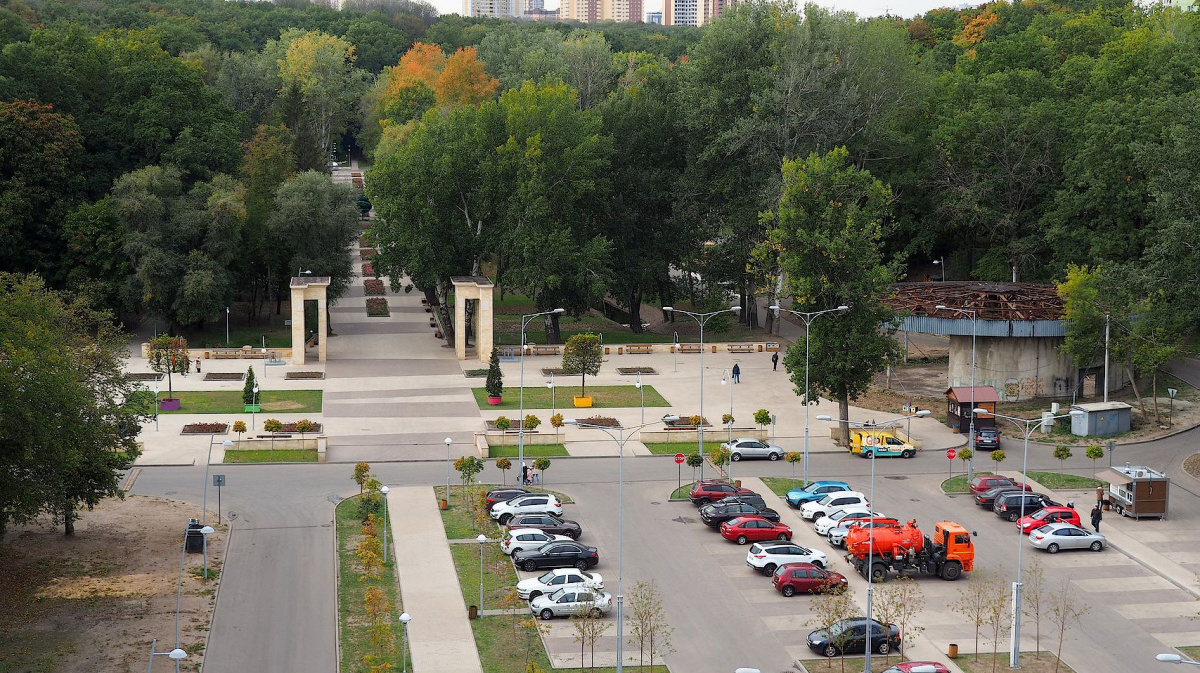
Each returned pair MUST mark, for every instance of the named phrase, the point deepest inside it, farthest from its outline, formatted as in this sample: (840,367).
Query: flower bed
(476,373)
(367,269)
(292,376)
(631,371)
(557,371)
(206,429)
(224,376)
(605,421)
(291,427)
(145,376)
(377,307)
(687,423)
(366,253)
(374,286)
(363,242)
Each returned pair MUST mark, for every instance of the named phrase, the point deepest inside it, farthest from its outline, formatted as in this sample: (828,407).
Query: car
(503,494)
(527,538)
(715,514)
(561,554)
(815,510)
(765,557)
(987,439)
(530,503)
(744,499)
(567,602)
(837,535)
(745,529)
(988,497)
(1055,536)
(1049,515)
(908,666)
(748,447)
(814,491)
(710,490)
(854,636)
(823,524)
(559,578)
(548,522)
(1013,506)
(884,445)
(986,482)
(794,578)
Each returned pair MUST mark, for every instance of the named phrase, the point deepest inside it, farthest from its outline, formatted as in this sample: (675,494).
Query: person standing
(775,361)
(1096,517)
(737,374)
(524,474)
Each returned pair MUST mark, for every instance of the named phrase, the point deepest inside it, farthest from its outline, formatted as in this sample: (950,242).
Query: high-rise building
(590,11)
(654,17)
(694,12)
(499,9)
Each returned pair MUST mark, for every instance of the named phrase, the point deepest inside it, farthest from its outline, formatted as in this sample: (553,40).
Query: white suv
(767,556)
(815,510)
(532,503)
(527,538)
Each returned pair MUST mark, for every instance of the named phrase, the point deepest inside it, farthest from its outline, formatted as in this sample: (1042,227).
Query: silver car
(748,447)
(571,601)
(1055,536)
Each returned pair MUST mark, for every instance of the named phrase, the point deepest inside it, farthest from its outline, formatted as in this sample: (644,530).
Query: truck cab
(955,543)
(879,443)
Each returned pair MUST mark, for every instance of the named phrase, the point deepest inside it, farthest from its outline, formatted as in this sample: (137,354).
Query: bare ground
(93,602)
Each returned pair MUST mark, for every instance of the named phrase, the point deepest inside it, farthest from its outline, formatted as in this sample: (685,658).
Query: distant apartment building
(694,12)
(497,9)
(1185,5)
(591,11)
(654,17)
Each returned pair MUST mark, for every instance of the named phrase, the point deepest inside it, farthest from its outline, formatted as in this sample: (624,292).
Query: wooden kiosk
(1137,491)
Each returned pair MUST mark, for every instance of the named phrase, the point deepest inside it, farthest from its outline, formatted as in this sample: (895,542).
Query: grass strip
(352,613)
(457,518)
(269,456)
(534,450)
(879,663)
(507,644)
(603,397)
(230,401)
(960,484)
(781,485)
(1031,662)
(1058,480)
(672,448)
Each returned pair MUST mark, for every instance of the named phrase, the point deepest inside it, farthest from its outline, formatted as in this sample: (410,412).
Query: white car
(815,510)
(765,557)
(837,535)
(571,601)
(835,517)
(559,578)
(748,447)
(527,538)
(533,503)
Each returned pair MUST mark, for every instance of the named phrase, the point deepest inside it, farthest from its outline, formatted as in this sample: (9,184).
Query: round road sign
(950,453)
(679,459)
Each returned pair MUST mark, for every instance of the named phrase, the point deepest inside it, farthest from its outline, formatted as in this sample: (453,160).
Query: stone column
(460,319)
(483,325)
(322,327)
(298,326)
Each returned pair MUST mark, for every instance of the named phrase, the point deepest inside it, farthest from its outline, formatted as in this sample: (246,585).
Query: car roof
(523,531)
(749,439)
(1063,524)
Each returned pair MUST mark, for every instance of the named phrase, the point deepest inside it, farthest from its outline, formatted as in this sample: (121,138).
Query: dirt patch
(1192,465)
(284,405)
(94,602)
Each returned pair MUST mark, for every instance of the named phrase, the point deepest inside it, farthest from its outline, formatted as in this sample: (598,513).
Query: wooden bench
(543,350)
(741,348)
(689,348)
(274,436)
(643,349)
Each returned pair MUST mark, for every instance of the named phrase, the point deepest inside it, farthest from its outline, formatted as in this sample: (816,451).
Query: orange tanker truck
(904,549)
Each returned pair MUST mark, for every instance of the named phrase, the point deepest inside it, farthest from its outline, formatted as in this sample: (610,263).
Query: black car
(850,636)
(503,494)
(988,497)
(746,499)
(548,523)
(987,439)
(562,554)
(1013,506)
(717,513)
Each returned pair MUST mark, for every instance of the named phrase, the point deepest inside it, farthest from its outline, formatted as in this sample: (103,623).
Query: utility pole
(1106,321)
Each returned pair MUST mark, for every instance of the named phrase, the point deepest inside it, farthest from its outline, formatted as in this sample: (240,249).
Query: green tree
(965,455)
(583,355)
(94,257)
(320,67)
(504,465)
(1062,452)
(495,379)
(589,66)
(273,426)
(998,457)
(468,467)
(1095,452)
(831,221)
(361,471)
(794,457)
(376,44)
(762,418)
(69,437)
(169,355)
(541,464)
(240,428)
(248,394)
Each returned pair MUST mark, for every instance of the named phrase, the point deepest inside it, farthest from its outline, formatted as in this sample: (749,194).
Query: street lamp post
(972,314)
(727,379)
(254,406)
(642,390)
(482,539)
(1172,658)
(156,405)
(175,655)
(701,319)
(384,490)
(553,401)
(226,325)
(620,439)
(808,318)
(942,263)
(448,442)
(206,531)
(405,618)
(1027,427)
(521,419)
(870,567)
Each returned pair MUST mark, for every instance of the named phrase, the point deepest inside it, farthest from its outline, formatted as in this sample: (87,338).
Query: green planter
(252,408)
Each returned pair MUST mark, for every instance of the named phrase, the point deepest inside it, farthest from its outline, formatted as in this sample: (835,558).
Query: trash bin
(952,652)
(472,612)
(195,539)
(444,504)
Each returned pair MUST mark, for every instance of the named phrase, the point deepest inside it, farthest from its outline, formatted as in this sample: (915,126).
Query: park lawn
(1031,662)
(230,401)
(268,456)
(352,615)
(686,448)
(505,642)
(212,335)
(603,397)
(960,484)
(1058,480)
(534,450)
(499,576)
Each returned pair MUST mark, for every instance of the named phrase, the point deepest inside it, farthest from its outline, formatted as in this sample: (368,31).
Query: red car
(984,483)
(793,578)
(712,490)
(750,528)
(1049,515)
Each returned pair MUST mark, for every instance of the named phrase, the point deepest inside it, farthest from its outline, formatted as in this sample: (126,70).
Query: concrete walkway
(440,635)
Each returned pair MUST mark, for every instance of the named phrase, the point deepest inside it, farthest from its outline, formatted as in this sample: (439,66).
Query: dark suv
(743,499)
(987,439)
(1013,506)
(719,512)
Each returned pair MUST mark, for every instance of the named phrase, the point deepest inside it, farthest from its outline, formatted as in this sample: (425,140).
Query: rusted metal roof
(1009,302)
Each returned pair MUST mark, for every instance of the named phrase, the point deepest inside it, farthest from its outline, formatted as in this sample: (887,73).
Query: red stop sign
(950,453)
(679,459)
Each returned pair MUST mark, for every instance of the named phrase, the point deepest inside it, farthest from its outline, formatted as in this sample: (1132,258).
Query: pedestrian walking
(737,374)
(1099,496)
(775,361)
(1096,517)
(524,474)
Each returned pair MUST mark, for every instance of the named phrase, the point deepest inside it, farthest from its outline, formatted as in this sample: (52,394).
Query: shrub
(583,355)
(377,307)
(495,378)
(762,417)
(367,269)
(531,422)
(373,287)
(248,396)
(366,253)
(726,419)
(502,423)
(240,428)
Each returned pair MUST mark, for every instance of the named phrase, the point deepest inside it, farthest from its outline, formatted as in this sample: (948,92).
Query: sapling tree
(1095,452)
(169,355)
(583,355)
(504,465)
(541,464)
(1062,452)
(248,395)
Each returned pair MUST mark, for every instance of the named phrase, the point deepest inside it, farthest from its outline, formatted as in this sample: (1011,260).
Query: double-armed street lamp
(701,319)
(521,420)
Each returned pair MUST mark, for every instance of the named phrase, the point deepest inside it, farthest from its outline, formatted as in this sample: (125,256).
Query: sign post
(950,454)
(679,471)
(218,481)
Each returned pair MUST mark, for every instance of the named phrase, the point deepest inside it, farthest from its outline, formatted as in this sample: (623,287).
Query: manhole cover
(232,516)
(896,478)
(170,492)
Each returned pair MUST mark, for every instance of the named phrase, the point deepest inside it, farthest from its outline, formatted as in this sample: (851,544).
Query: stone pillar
(460,320)
(483,325)
(298,335)
(322,328)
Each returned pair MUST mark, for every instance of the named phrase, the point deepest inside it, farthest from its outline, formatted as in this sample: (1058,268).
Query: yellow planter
(583,401)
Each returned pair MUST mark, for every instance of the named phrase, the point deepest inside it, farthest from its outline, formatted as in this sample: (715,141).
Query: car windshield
(1045,529)
(812,488)
(545,579)
(839,515)
(557,594)
(1038,516)
(827,499)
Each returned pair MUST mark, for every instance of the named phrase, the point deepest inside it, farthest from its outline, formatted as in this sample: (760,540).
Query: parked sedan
(711,490)
(743,499)
(567,602)
(815,490)
(527,538)
(748,447)
(558,555)
(530,503)
(1049,515)
(823,524)
(854,636)
(716,514)
(793,578)
(559,578)
(547,522)
(754,529)
(767,556)
(503,494)
(1055,536)
(837,536)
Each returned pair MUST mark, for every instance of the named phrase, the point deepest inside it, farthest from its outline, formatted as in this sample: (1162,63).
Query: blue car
(814,491)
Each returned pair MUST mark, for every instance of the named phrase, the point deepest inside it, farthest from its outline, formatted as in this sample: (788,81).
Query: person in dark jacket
(1096,517)
(774,362)
(737,374)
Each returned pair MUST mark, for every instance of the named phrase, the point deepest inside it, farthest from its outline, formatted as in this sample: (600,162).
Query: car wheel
(773,456)
(741,539)
(789,591)
(831,651)
(1013,516)
(951,571)
(769,569)
(1097,545)
(1052,548)
(884,648)
(702,502)
(574,535)
(783,536)
(818,564)
(907,453)
(516,550)
(868,454)
(534,594)
(547,614)
(597,613)
(504,519)
(735,457)
(581,564)
(529,566)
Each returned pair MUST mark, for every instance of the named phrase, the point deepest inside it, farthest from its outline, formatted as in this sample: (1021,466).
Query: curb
(217,592)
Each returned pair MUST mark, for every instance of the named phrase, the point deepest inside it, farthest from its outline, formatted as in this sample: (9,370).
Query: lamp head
(980,411)
(549,384)
(843,307)
(448,441)
(306,272)
(735,309)
(384,490)
(774,307)
(207,530)
(1170,658)
(559,310)
(824,417)
(256,387)
(405,618)
(668,309)
(670,418)
(481,539)
(177,654)
(922,413)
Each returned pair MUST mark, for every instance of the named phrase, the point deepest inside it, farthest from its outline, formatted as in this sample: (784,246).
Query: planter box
(493,401)
(583,402)
(169,404)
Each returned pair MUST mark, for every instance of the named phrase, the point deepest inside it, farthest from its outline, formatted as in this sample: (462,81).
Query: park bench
(274,436)
(689,348)
(741,348)
(642,349)
(508,351)
(543,350)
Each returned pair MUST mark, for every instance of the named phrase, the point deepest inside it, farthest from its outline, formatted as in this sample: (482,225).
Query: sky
(863,8)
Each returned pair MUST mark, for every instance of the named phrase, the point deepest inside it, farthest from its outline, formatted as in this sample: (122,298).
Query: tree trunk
(1136,392)
(635,310)
(553,333)
(843,412)
(69,520)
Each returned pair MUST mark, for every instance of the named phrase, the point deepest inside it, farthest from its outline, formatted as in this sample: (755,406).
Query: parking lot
(725,615)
